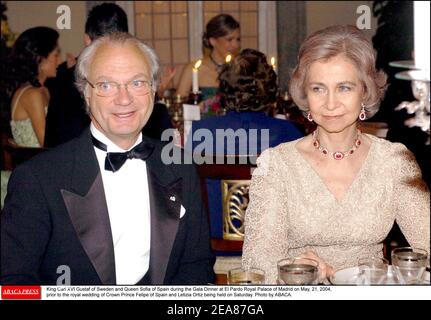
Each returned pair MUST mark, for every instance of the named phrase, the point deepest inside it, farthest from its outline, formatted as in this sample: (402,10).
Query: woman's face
(334,93)
(48,66)
(228,44)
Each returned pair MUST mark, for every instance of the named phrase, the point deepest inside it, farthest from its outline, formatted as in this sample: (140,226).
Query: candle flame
(198,64)
(273,61)
(228,58)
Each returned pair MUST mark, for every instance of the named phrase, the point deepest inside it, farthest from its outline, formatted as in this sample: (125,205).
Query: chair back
(234,173)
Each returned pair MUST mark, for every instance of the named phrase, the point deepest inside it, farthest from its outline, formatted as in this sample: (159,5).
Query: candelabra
(421,91)
(420,75)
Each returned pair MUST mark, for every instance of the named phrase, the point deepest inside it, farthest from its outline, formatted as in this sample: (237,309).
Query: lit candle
(195,82)
(422,35)
(228,58)
(273,64)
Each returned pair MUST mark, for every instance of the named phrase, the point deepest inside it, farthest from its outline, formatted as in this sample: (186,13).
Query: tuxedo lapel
(165,205)
(86,204)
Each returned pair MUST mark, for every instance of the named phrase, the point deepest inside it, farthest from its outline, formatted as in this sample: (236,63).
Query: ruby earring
(362,114)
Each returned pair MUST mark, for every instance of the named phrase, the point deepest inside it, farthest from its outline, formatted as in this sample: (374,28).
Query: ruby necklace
(337,155)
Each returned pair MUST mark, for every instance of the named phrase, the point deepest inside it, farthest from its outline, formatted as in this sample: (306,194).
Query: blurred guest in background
(334,195)
(35,57)
(248,90)
(222,37)
(67,118)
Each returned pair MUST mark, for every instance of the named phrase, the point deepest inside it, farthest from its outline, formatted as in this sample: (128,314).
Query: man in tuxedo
(104,208)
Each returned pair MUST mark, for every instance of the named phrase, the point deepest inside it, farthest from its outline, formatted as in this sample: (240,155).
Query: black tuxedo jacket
(56,215)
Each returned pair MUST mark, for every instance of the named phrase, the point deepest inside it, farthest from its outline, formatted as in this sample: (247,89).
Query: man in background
(67,118)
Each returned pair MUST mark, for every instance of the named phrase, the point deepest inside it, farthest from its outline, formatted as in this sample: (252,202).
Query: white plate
(350,276)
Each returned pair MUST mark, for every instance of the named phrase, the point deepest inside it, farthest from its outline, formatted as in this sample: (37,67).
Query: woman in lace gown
(222,37)
(334,194)
(34,58)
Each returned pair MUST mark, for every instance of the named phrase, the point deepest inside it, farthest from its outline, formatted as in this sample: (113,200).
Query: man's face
(122,116)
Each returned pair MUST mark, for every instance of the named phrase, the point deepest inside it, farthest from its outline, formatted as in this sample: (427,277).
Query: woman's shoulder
(187,71)
(189,66)
(287,146)
(394,156)
(26,95)
(33,94)
(273,162)
(389,148)
(279,154)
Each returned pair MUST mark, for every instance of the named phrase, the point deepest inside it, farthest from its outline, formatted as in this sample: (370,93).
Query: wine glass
(241,276)
(372,270)
(409,264)
(299,271)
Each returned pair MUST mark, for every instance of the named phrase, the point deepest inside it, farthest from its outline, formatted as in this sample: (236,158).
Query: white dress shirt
(127,198)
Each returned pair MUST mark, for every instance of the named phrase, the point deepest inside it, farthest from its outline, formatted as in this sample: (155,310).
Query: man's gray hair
(118,38)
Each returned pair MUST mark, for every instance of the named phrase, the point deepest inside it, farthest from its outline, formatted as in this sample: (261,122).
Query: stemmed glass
(372,271)
(409,264)
(241,276)
(297,271)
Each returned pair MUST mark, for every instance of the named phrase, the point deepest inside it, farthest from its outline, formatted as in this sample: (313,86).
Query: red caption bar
(20,292)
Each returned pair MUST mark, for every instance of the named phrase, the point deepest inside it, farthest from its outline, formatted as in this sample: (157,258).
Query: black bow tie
(115,160)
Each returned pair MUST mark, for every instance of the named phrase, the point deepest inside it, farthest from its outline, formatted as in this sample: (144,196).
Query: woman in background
(248,91)
(334,195)
(222,37)
(35,57)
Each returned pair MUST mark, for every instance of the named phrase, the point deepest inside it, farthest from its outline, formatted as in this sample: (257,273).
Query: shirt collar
(111,147)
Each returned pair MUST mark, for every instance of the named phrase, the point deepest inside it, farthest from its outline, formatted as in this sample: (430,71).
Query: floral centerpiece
(212,107)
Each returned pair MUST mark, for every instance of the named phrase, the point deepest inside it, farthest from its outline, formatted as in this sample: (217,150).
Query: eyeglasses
(137,87)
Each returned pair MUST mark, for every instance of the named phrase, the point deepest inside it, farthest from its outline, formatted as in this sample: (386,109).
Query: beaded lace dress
(291,210)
